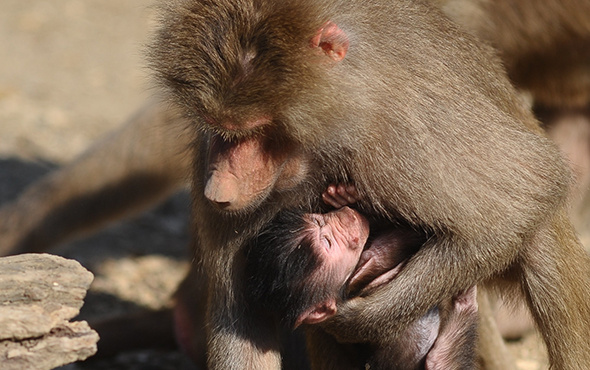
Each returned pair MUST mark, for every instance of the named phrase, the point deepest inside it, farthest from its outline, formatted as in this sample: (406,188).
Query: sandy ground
(70,71)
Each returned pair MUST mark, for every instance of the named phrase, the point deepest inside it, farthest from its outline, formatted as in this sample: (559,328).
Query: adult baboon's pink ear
(331,40)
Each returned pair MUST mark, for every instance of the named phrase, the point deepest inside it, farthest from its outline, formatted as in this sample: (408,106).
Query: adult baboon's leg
(131,168)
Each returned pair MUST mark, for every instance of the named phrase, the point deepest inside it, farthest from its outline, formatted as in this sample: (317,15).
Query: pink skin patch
(332,41)
(377,265)
(340,237)
(239,172)
(382,279)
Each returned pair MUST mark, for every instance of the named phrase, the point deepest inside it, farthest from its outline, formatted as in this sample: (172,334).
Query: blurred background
(70,71)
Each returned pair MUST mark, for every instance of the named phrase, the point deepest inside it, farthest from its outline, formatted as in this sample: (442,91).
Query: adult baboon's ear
(331,40)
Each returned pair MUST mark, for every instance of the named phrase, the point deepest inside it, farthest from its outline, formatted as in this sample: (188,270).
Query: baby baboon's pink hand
(340,195)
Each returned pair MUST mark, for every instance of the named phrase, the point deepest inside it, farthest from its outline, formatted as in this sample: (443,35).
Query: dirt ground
(70,71)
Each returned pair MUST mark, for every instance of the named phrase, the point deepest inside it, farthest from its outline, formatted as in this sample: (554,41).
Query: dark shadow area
(16,174)
(162,230)
(140,360)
